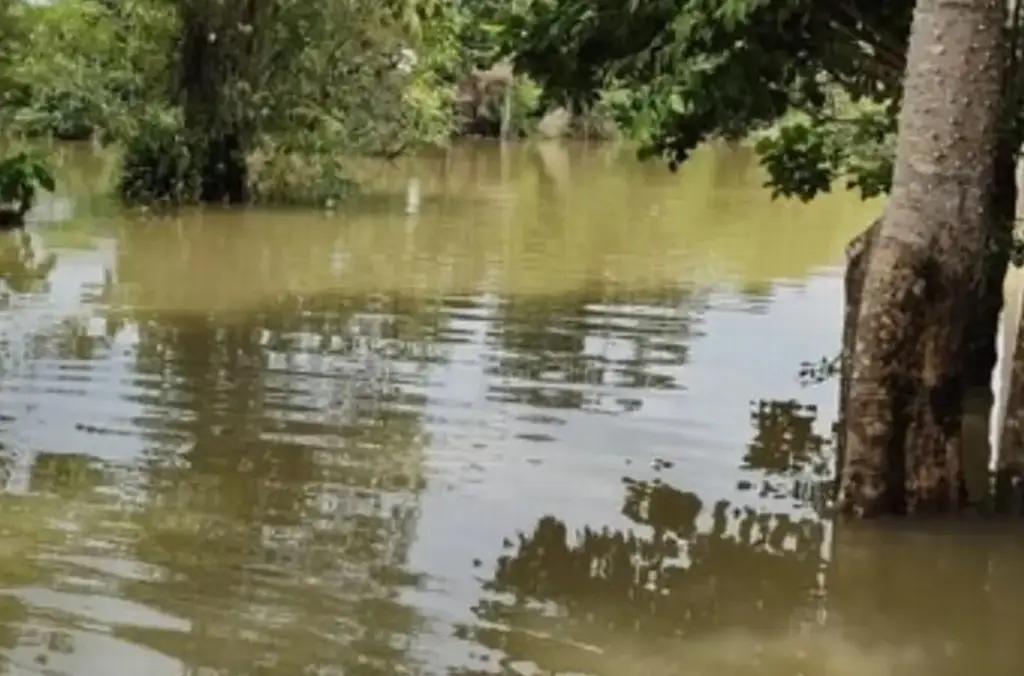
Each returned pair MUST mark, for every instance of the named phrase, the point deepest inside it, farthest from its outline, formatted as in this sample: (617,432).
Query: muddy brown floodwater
(521,412)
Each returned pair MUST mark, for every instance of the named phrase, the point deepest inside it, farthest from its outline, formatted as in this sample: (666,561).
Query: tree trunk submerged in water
(858,251)
(211,58)
(983,329)
(907,378)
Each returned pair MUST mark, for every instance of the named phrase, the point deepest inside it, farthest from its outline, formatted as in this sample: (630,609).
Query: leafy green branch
(22,175)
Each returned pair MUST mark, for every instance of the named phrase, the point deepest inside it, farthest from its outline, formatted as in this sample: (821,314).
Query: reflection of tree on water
(23,271)
(283,473)
(67,475)
(53,478)
(542,345)
(43,525)
(759,296)
(899,599)
(747,569)
(793,459)
(291,517)
(684,569)
(594,337)
(22,268)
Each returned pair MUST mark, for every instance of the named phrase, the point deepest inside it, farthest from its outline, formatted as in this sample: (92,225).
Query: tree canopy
(816,83)
(822,77)
(300,83)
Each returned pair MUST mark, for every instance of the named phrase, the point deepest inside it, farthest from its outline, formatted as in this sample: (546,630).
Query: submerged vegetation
(22,174)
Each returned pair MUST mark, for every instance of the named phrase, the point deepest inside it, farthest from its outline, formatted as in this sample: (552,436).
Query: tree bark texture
(214,55)
(858,251)
(907,379)
(983,328)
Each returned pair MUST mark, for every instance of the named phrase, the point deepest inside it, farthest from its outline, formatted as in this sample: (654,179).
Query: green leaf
(676,103)
(44,178)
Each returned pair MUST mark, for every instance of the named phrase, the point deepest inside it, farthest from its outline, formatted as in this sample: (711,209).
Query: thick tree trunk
(211,57)
(224,172)
(907,379)
(981,339)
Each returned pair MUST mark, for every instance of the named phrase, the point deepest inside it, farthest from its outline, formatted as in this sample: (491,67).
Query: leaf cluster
(811,77)
(22,174)
(86,65)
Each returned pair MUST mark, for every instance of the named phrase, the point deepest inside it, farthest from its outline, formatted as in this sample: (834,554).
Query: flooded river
(522,412)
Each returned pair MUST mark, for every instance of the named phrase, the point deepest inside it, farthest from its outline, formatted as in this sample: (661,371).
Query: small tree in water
(22,175)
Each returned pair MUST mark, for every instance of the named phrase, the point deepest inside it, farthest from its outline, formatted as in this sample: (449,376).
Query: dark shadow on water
(788,459)
(713,586)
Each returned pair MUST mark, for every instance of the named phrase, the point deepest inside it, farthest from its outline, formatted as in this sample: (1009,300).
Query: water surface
(521,411)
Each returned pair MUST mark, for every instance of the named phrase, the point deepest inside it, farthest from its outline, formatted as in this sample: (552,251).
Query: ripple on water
(495,440)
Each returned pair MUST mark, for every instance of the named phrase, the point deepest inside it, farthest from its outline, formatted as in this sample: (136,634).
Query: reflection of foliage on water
(22,268)
(12,615)
(394,326)
(65,513)
(683,568)
(284,465)
(820,371)
(67,475)
(263,467)
(747,569)
(759,296)
(598,337)
(792,457)
(72,337)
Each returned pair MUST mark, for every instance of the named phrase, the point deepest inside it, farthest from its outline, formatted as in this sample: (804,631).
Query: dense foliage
(817,81)
(299,85)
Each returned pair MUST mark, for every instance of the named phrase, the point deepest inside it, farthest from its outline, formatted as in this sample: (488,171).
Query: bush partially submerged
(295,177)
(160,166)
(157,164)
(22,175)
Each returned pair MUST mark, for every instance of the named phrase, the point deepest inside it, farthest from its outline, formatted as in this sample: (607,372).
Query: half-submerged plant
(21,176)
